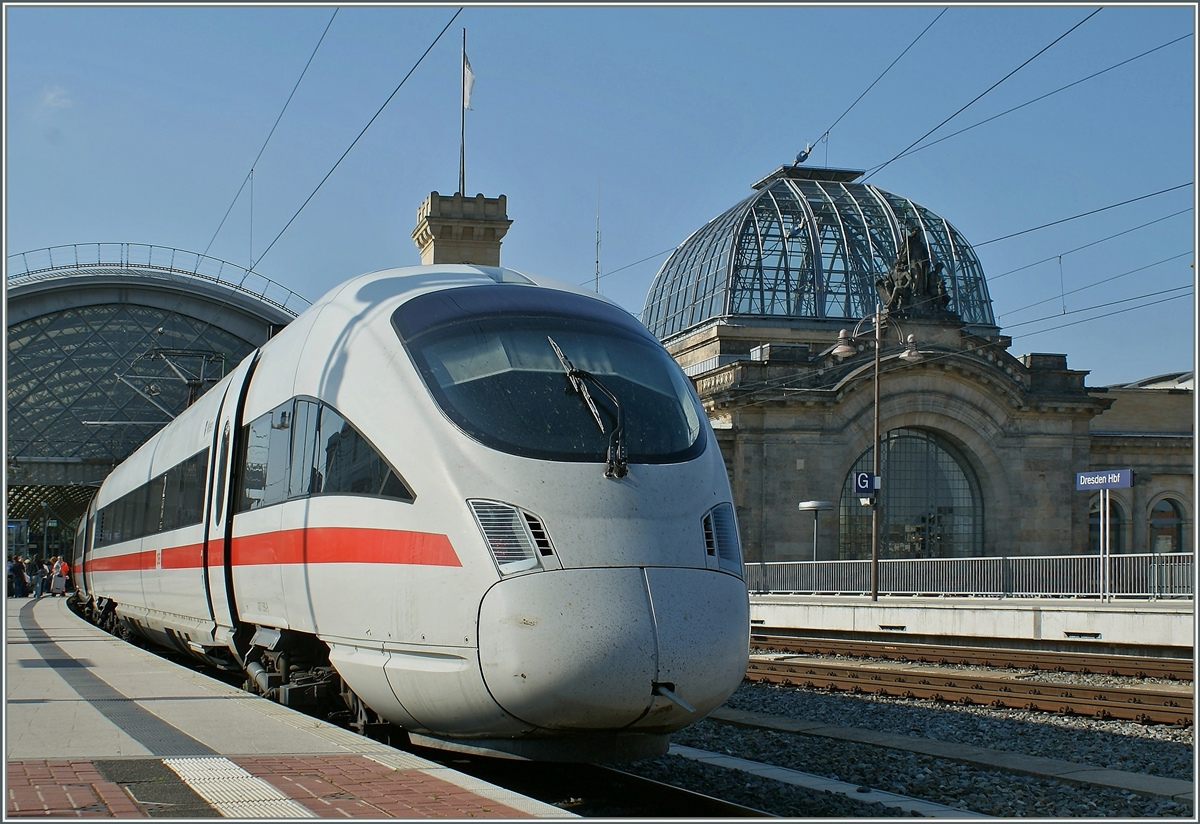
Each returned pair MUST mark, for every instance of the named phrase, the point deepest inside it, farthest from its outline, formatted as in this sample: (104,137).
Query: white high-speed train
(483,506)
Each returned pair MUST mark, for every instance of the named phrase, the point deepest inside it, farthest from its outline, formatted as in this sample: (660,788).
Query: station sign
(1104,479)
(865,482)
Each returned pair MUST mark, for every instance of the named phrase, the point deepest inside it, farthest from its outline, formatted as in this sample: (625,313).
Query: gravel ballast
(1156,750)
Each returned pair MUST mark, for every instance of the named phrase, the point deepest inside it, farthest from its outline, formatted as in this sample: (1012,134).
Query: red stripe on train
(328,545)
(183,557)
(122,563)
(315,545)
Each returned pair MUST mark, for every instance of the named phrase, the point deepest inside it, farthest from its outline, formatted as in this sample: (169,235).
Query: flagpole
(462,123)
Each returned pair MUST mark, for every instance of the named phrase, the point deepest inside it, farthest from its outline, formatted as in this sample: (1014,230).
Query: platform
(1135,627)
(95,727)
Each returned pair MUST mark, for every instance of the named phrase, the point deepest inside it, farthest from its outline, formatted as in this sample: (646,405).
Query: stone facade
(793,419)
(459,229)
(1148,427)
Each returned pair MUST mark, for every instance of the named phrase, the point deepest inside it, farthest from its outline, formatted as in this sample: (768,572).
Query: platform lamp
(816,507)
(845,348)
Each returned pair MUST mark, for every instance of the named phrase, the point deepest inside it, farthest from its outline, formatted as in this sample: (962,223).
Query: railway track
(593,791)
(1177,669)
(1162,704)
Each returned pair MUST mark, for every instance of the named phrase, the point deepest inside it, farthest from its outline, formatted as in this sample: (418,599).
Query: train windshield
(487,354)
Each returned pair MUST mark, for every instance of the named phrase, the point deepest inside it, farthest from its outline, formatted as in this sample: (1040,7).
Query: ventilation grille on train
(512,540)
(721,538)
(540,536)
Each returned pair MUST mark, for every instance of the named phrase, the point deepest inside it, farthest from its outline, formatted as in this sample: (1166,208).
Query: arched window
(1116,526)
(1166,527)
(930,504)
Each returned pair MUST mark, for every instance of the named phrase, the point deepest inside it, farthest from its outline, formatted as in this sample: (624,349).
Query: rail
(1148,576)
(53,261)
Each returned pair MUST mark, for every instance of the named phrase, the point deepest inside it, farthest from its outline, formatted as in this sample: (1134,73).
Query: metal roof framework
(106,343)
(808,244)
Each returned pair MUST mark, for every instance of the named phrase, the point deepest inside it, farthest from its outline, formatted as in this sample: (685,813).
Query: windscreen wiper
(617,458)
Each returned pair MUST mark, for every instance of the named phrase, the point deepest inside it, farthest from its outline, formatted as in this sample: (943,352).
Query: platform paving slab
(100,728)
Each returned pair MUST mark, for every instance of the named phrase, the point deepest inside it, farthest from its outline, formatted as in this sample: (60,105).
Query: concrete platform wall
(1006,622)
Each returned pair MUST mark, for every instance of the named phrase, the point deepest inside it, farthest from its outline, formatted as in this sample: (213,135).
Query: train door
(294,516)
(259,547)
(221,491)
(83,546)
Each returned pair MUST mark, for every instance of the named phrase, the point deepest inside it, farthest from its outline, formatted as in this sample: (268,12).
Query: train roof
(405,283)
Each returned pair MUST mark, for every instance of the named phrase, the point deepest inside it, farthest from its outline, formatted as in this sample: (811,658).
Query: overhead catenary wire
(825,135)
(994,278)
(1093,308)
(1083,214)
(1024,231)
(984,92)
(248,179)
(1031,102)
(1096,283)
(631,265)
(250,175)
(420,60)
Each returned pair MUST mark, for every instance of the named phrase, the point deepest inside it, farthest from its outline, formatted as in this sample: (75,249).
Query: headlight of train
(515,538)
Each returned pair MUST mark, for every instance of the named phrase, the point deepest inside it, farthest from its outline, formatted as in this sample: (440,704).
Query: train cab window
(496,360)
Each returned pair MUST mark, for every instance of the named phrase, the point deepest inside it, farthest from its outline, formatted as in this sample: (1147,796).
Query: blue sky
(138,124)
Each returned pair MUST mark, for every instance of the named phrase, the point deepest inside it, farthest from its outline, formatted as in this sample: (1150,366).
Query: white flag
(468,81)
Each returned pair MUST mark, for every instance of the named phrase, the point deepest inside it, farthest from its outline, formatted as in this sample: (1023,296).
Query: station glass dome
(809,244)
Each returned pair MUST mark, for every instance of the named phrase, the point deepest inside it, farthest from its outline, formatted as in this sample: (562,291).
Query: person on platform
(56,586)
(41,575)
(66,574)
(18,577)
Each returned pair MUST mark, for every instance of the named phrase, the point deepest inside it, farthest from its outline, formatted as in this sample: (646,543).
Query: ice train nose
(600,648)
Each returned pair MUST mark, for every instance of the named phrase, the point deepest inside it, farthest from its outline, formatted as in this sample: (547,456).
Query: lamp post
(845,348)
(816,507)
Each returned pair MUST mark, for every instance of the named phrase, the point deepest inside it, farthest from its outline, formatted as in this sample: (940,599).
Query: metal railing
(54,261)
(1149,576)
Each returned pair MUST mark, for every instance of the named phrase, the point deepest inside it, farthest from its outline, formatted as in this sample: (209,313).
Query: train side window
(347,463)
(191,488)
(154,505)
(183,500)
(264,477)
(135,514)
(170,518)
(304,440)
(279,449)
(103,524)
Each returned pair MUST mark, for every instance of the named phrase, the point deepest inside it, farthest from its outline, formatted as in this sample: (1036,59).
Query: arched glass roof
(808,244)
(106,342)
